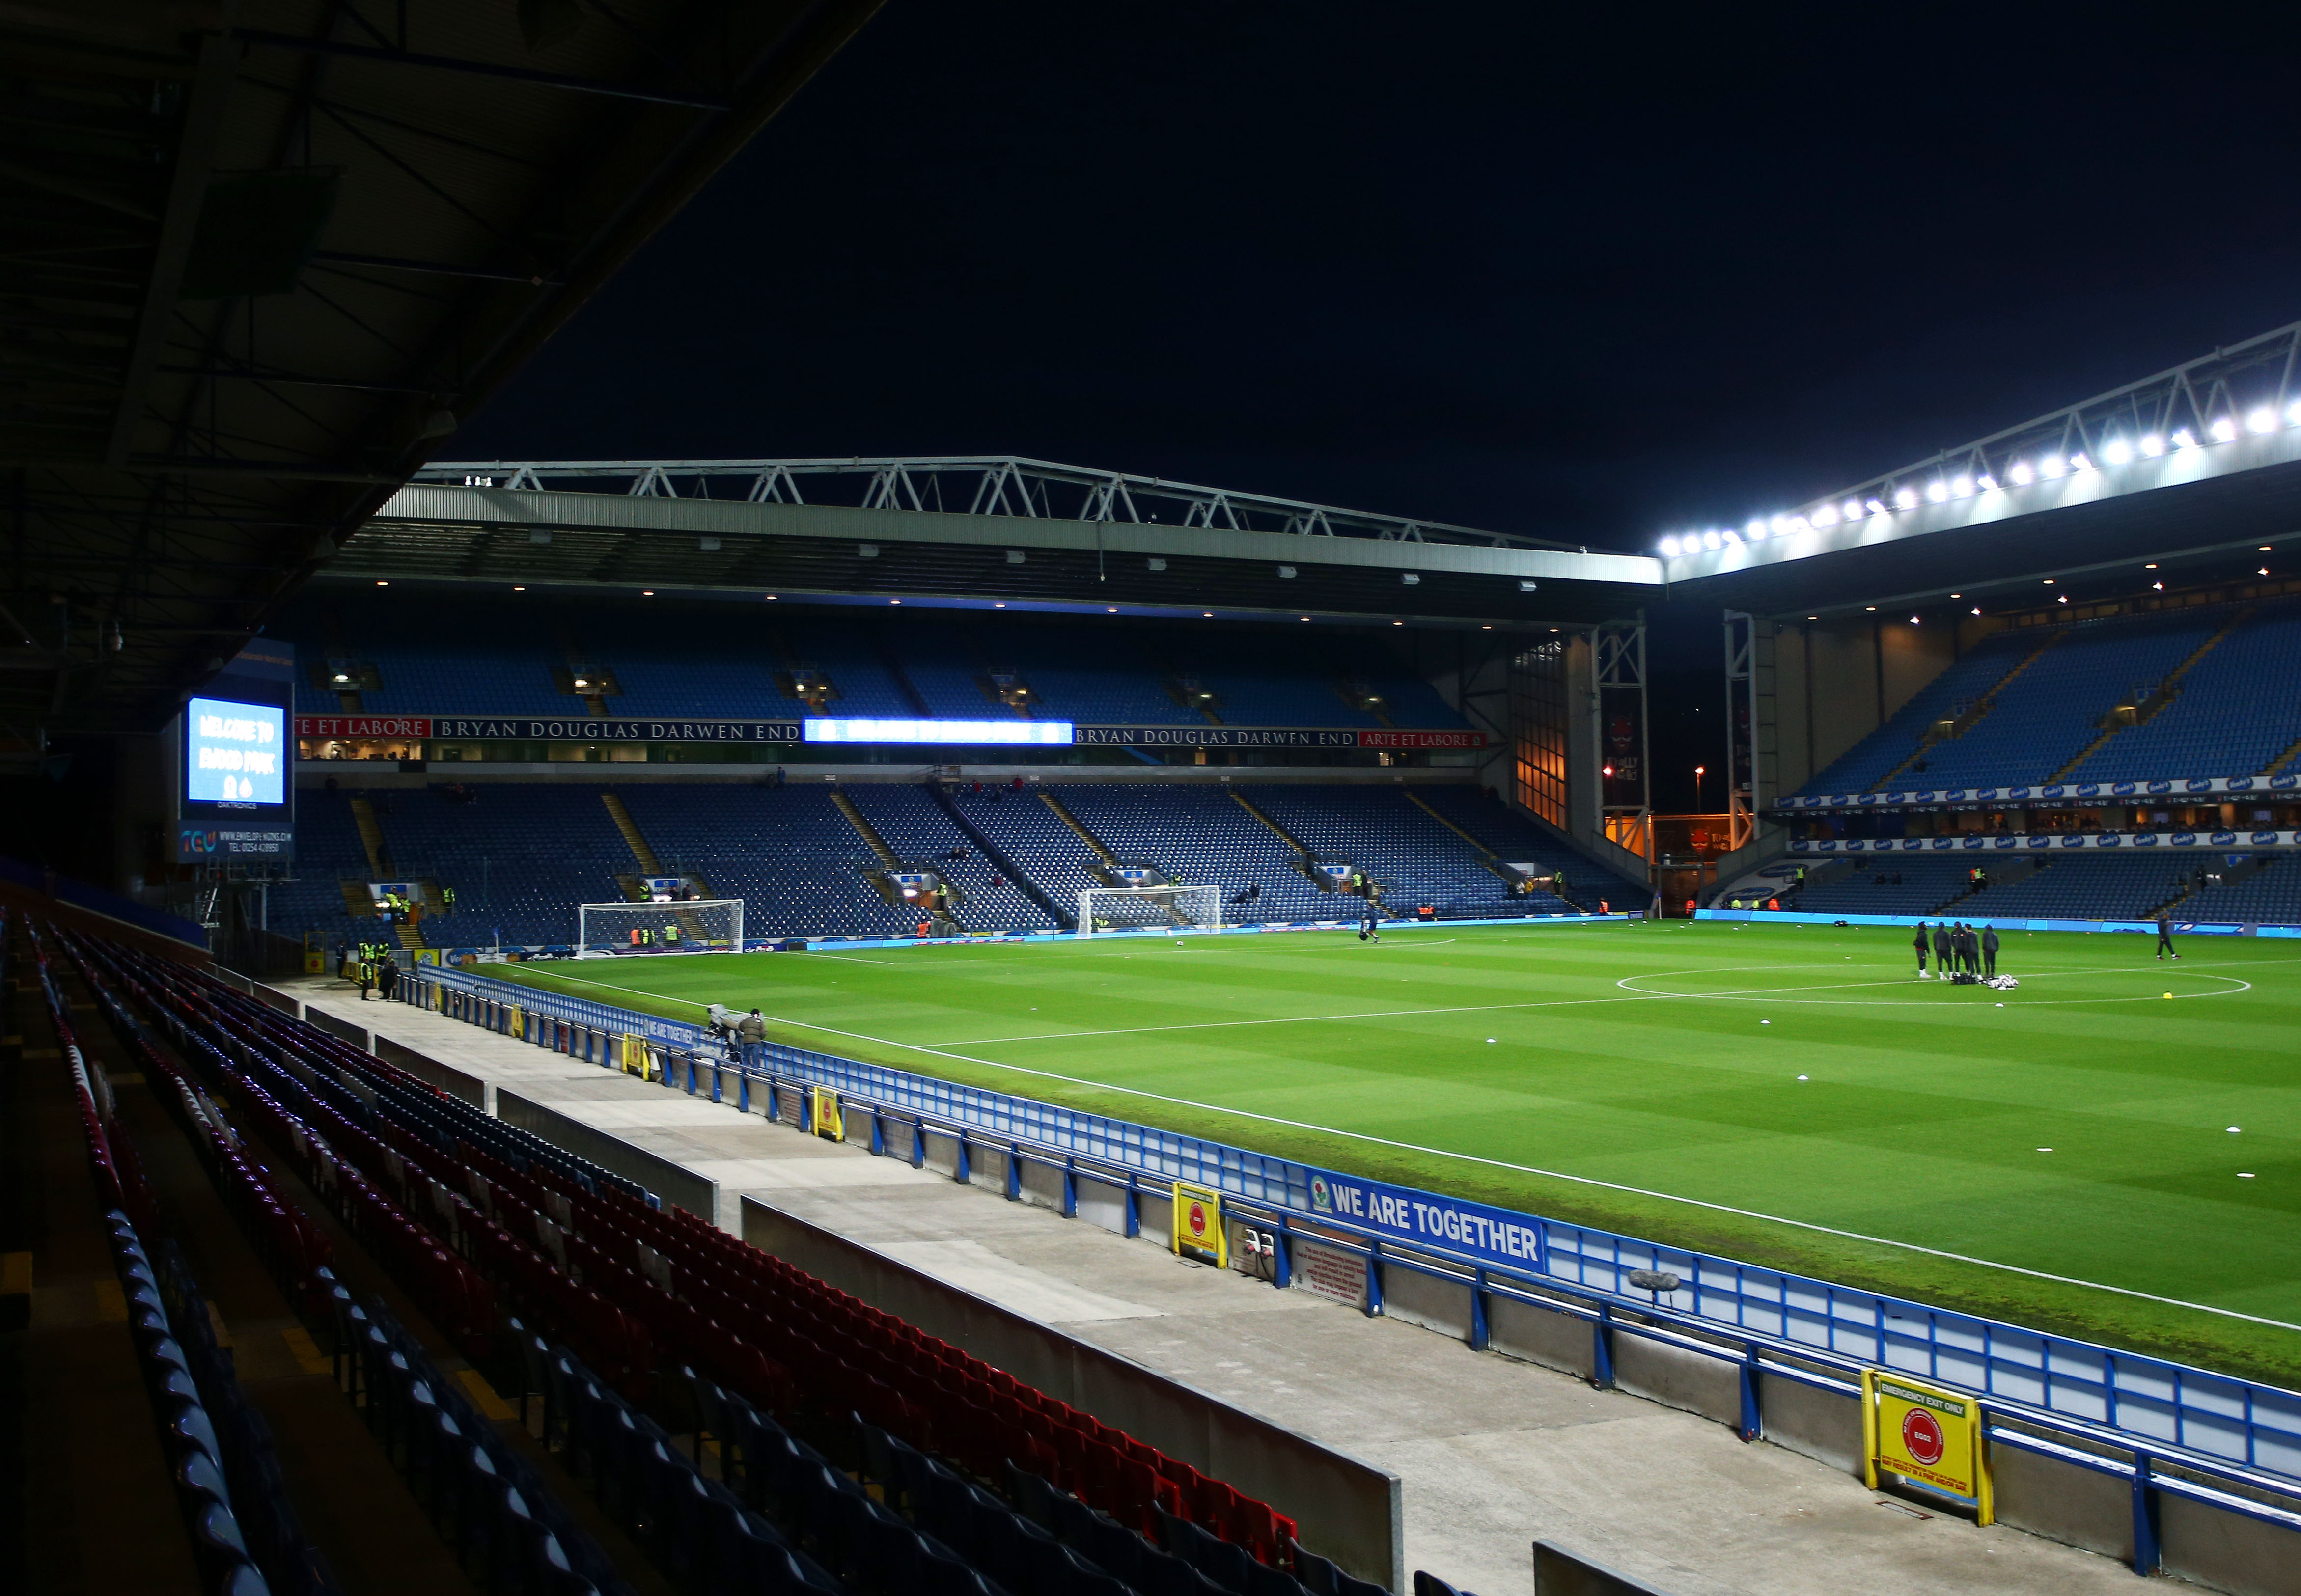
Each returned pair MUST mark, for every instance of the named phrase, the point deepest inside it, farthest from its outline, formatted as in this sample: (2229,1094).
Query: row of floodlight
(2117,450)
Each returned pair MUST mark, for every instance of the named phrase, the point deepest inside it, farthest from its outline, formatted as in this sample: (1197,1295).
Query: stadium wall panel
(454,1082)
(357,1035)
(1042,1185)
(941,1153)
(1811,1420)
(2223,1550)
(1100,1204)
(1434,1301)
(671,1182)
(1555,1339)
(1558,1572)
(1678,1378)
(2067,1502)
(1349,1510)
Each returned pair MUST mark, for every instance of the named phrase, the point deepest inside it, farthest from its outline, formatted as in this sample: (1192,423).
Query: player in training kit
(1370,924)
(1919,942)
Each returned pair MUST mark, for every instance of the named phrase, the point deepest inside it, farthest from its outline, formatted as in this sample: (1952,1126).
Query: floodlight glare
(1757,527)
(1826,516)
(2021,473)
(2263,420)
(2117,451)
(1875,508)
(2152,444)
(1669,548)
(1936,490)
(1734,536)
(1986,484)
(1712,540)
(1962,487)
(2079,462)
(2293,414)
(1906,499)
(1799,523)
(2183,439)
(1852,509)
(2052,466)
(2224,430)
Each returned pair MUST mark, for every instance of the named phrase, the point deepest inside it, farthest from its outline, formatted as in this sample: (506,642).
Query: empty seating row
(2212,711)
(710,661)
(640,1291)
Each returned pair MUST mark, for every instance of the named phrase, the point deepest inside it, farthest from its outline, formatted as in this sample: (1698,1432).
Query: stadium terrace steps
(1094,844)
(1030,889)
(1485,855)
(866,831)
(632,836)
(1284,835)
(371,833)
(2167,688)
(1941,731)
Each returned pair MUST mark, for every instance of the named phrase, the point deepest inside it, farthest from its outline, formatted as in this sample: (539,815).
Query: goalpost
(1124,909)
(703,924)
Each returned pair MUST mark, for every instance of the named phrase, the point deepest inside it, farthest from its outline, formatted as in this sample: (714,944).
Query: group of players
(1958,949)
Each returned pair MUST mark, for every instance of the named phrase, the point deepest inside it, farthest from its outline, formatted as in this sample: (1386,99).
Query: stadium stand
(1879,755)
(568,1283)
(2269,894)
(1916,885)
(454,658)
(2197,676)
(2088,886)
(2225,718)
(522,856)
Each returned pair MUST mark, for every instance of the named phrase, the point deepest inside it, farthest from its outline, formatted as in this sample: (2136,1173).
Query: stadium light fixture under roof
(2192,410)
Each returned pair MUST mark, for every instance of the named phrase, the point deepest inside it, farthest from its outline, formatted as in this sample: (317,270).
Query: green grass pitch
(1788,1095)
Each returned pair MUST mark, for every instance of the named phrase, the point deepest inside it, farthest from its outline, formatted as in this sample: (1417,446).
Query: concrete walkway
(1493,1453)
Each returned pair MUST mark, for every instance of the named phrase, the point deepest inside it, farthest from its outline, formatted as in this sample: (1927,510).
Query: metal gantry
(1621,674)
(967,485)
(2243,388)
(1741,728)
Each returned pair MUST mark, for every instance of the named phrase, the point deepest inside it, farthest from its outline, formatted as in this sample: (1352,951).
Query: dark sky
(1591,273)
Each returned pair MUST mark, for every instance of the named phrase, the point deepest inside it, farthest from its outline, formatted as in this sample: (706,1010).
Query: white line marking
(1773,994)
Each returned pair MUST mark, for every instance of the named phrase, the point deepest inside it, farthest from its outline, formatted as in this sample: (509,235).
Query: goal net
(704,925)
(1126,908)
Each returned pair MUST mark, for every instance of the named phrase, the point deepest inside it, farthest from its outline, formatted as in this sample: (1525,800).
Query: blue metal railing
(2135,1400)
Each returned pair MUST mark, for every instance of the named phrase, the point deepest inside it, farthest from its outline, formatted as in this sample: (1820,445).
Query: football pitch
(2113,1151)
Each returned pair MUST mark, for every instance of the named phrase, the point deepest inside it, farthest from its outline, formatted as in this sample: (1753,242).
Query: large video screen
(947,733)
(235,755)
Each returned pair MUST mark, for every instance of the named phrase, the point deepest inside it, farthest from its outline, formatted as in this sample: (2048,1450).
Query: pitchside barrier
(2166,1466)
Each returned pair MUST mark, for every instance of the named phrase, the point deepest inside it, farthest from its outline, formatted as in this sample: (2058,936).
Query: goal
(704,925)
(1127,908)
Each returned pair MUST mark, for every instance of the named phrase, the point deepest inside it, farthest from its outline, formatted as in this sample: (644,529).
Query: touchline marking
(1763,994)
(1555,1175)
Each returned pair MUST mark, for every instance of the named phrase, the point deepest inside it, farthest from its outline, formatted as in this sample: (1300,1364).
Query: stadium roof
(2196,463)
(977,531)
(263,257)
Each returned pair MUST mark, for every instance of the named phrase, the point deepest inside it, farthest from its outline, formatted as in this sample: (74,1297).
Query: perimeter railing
(2232,1443)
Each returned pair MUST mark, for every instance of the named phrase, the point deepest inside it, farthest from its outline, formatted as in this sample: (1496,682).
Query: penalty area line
(1556,1174)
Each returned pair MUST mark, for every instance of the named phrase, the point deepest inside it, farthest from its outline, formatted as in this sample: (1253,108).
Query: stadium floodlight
(1669,548)
(2023,472)
(1906,499)
(705,925)
(2117,451)
(2293,414)
(1986,484)
(1875,508)
(2052,466)
(1827,515)
(1734,537)
(2183,439)
(2079,462)
(1158,908)
(1852,508)
(1962,488)
(2263,420)
(1937,491)
(2152,444)
(1712,540)
(1757,527)
(2224,430)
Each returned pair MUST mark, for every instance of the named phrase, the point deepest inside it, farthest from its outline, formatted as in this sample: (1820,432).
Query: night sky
(1590,277)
